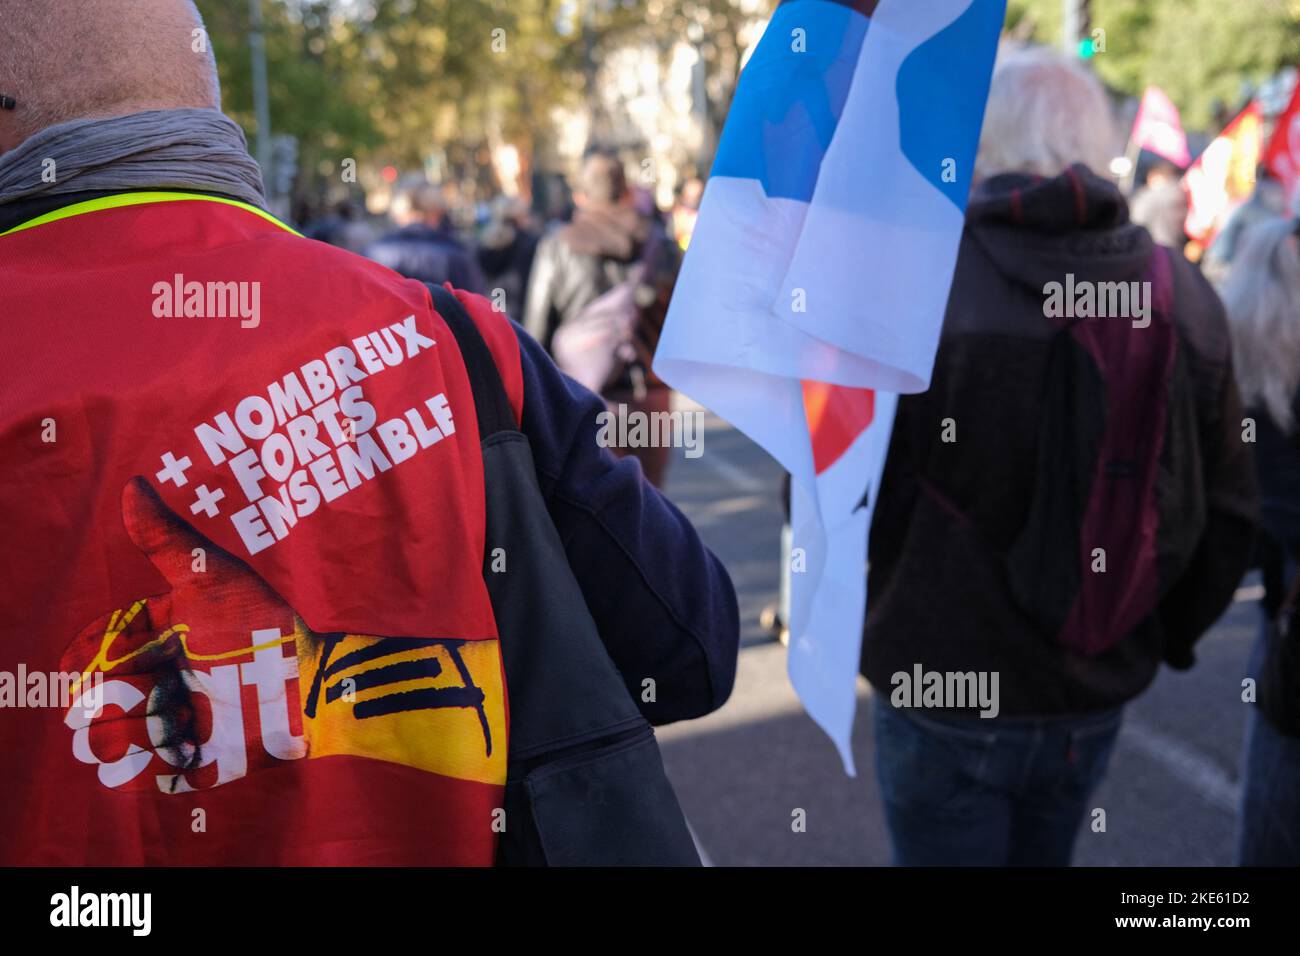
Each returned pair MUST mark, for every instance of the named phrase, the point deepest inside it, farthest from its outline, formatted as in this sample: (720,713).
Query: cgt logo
(218,677)
(216,698)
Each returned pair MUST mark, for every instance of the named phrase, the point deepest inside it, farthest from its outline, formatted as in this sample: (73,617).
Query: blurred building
(660,107)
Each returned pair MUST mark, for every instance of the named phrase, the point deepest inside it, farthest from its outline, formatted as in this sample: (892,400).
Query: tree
(399,80)
(317,93)
(1201,52)
(719,30)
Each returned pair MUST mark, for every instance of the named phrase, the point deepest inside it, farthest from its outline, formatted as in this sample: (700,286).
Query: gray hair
(1262,298)
(1045,112)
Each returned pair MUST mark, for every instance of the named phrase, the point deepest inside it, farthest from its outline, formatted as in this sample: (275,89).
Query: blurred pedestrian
(552,199)
(1069,504)
(1161,206)
(345,227)
(506,248)
(1262,296)
(1267,201)
(425,246)
(605,280)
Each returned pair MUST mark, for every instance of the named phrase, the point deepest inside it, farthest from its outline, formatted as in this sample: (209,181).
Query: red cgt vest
(244,618)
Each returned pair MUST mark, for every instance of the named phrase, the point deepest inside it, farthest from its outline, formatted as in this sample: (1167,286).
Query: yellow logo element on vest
(431,704)
(218,677)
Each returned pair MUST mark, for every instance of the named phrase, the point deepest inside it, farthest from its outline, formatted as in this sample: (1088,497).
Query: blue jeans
(1270,789)
(966,791)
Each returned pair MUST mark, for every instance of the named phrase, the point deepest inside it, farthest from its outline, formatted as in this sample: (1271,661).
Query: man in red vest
(245,511)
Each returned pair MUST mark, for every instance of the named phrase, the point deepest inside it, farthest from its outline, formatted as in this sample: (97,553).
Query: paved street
(741,772)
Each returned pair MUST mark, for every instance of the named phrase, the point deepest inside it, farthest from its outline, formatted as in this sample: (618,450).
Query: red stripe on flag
(837,415)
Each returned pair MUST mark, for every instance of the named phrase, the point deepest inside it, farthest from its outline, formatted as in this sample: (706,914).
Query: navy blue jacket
(662,602)
(429,255)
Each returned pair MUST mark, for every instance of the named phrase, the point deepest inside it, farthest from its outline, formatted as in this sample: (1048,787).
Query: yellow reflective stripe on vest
(139,199)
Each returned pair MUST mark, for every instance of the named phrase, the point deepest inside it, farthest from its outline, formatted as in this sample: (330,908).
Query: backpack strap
(490,399)
(1162,280)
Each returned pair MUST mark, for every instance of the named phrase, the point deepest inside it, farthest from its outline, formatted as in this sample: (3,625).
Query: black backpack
(585,783)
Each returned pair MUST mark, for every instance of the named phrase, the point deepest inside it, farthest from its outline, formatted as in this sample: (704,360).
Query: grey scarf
(181,149)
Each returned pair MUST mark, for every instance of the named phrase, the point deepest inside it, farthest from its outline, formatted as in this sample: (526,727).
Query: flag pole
(1131,152)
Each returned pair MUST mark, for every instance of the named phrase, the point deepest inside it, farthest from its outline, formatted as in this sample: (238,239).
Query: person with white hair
(1262,296)
(1067,506)
(1045,113)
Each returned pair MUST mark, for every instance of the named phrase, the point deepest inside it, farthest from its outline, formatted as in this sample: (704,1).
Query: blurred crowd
(600,265)
(1110,494)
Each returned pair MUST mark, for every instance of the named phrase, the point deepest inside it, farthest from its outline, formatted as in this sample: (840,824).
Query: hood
(613,232)
(1036,230)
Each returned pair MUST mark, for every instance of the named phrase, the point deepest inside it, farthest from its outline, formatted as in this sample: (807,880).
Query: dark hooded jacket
(940,594)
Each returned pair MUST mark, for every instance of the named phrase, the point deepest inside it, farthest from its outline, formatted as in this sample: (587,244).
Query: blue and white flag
(818,274)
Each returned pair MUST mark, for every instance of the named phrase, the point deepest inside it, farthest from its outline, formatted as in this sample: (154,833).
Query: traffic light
(1076,24)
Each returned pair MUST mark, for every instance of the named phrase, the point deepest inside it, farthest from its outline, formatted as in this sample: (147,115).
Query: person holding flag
(1228,190)
(1160,205)
(1158,128)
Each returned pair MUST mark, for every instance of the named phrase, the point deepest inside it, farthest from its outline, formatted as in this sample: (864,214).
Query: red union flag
(1282,157)
(1158,128)
(1224,175)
